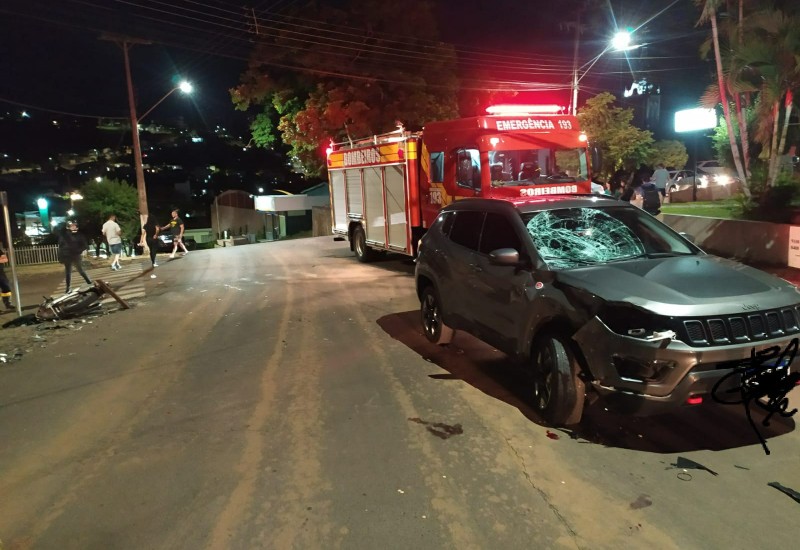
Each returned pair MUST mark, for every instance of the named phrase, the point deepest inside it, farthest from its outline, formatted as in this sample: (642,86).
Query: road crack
(544,496)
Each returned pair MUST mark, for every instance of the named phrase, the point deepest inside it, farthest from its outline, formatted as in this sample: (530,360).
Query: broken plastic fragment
(663,335)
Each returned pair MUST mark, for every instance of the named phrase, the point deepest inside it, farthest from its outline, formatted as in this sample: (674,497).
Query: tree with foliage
(353,70)
(709,9)
(106,197)
(609,128)
(769,59)
(671,153)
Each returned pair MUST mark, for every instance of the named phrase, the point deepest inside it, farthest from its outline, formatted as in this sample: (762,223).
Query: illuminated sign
(370,156)
(524,109)
(362,156)
(555,190)
(690,120)
(511,124)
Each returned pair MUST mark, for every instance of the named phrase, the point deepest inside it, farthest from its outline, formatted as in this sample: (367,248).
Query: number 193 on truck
(386,190)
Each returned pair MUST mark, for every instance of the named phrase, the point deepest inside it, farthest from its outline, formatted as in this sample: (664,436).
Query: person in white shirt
(660,178)
(113,234)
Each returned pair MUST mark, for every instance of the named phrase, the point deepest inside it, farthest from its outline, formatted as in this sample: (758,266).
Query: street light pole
(125,43)
(620,42)
(137,148)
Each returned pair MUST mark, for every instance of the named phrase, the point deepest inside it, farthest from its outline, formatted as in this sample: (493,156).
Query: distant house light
(197,139)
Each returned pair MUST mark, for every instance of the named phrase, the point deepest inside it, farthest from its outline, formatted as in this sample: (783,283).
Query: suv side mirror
(504,256)
(687,236)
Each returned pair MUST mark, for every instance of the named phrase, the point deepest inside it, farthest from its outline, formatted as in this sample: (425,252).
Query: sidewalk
(39,281)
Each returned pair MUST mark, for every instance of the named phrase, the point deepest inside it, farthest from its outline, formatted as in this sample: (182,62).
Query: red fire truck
(386,190)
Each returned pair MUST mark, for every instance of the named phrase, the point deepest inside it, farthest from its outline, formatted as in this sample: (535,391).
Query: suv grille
(734,329)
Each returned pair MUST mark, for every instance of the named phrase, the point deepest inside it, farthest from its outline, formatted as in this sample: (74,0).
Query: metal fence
(31,255)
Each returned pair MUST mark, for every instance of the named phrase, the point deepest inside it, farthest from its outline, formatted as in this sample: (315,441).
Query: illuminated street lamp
(620,42)
(186,88)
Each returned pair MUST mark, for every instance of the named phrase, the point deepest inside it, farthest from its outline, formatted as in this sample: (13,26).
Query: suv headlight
(630,321)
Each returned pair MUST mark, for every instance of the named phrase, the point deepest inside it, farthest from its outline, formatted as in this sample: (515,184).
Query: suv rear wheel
(558,393)
(431,313)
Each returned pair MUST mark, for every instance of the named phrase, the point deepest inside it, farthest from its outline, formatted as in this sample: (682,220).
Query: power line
(54,111)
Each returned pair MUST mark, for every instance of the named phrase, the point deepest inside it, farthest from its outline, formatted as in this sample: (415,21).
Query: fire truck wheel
(558,393)
(431,313)
(363,252)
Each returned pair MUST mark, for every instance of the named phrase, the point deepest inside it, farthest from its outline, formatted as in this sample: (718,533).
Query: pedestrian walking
(660,178)
(5,287)
(176,228)
(113,235)
(651,198)
(150,238)
(71,245)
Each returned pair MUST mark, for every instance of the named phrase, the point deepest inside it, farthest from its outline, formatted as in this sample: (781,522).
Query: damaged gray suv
(593,294)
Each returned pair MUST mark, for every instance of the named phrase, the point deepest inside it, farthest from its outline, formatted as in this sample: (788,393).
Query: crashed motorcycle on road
(76,302)
(72,304)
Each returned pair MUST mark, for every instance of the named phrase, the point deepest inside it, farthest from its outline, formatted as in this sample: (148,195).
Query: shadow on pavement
(706,427)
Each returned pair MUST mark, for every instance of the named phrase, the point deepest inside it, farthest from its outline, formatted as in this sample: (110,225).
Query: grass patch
(727,209)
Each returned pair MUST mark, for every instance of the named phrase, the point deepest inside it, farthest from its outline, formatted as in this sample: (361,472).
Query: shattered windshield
(537,165)
(572,237)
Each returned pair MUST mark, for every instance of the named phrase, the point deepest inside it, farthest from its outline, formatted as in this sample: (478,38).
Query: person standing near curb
(113,235)
(175,227)
(5,286)
(71,245)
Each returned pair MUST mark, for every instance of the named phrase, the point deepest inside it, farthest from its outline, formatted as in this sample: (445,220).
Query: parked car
(679,180)
(165,244)
(711,167)
(591,294)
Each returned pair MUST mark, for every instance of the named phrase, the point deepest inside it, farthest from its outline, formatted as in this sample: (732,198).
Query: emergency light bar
(524,109)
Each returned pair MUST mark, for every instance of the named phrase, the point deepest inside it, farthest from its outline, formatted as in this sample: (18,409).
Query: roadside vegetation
(729,209)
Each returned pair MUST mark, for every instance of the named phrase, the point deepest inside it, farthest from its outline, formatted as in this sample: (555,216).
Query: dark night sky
(50,54)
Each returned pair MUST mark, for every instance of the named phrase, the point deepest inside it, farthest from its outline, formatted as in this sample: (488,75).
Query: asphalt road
(281,395)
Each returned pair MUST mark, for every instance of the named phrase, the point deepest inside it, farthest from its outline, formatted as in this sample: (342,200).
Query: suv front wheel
(558,392)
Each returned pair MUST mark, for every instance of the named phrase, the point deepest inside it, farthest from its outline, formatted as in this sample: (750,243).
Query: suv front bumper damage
(644,377)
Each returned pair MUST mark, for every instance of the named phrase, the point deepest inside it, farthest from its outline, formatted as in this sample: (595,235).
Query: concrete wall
(321,223)
(231,219)
(708,193)
(748,241)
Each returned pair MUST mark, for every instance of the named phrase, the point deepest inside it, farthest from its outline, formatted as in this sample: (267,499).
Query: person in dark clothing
(628,192)
(5,287)
(150,238)
(617,182)
(71,245)
(651,198)
(175,227)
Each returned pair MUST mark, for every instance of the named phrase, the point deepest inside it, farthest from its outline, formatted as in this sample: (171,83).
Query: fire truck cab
(386,190)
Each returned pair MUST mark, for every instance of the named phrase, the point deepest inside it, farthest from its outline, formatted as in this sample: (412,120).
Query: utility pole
(125,43)
(10,250)
(576,25)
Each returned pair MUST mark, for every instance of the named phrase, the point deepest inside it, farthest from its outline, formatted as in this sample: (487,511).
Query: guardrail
(33,255)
